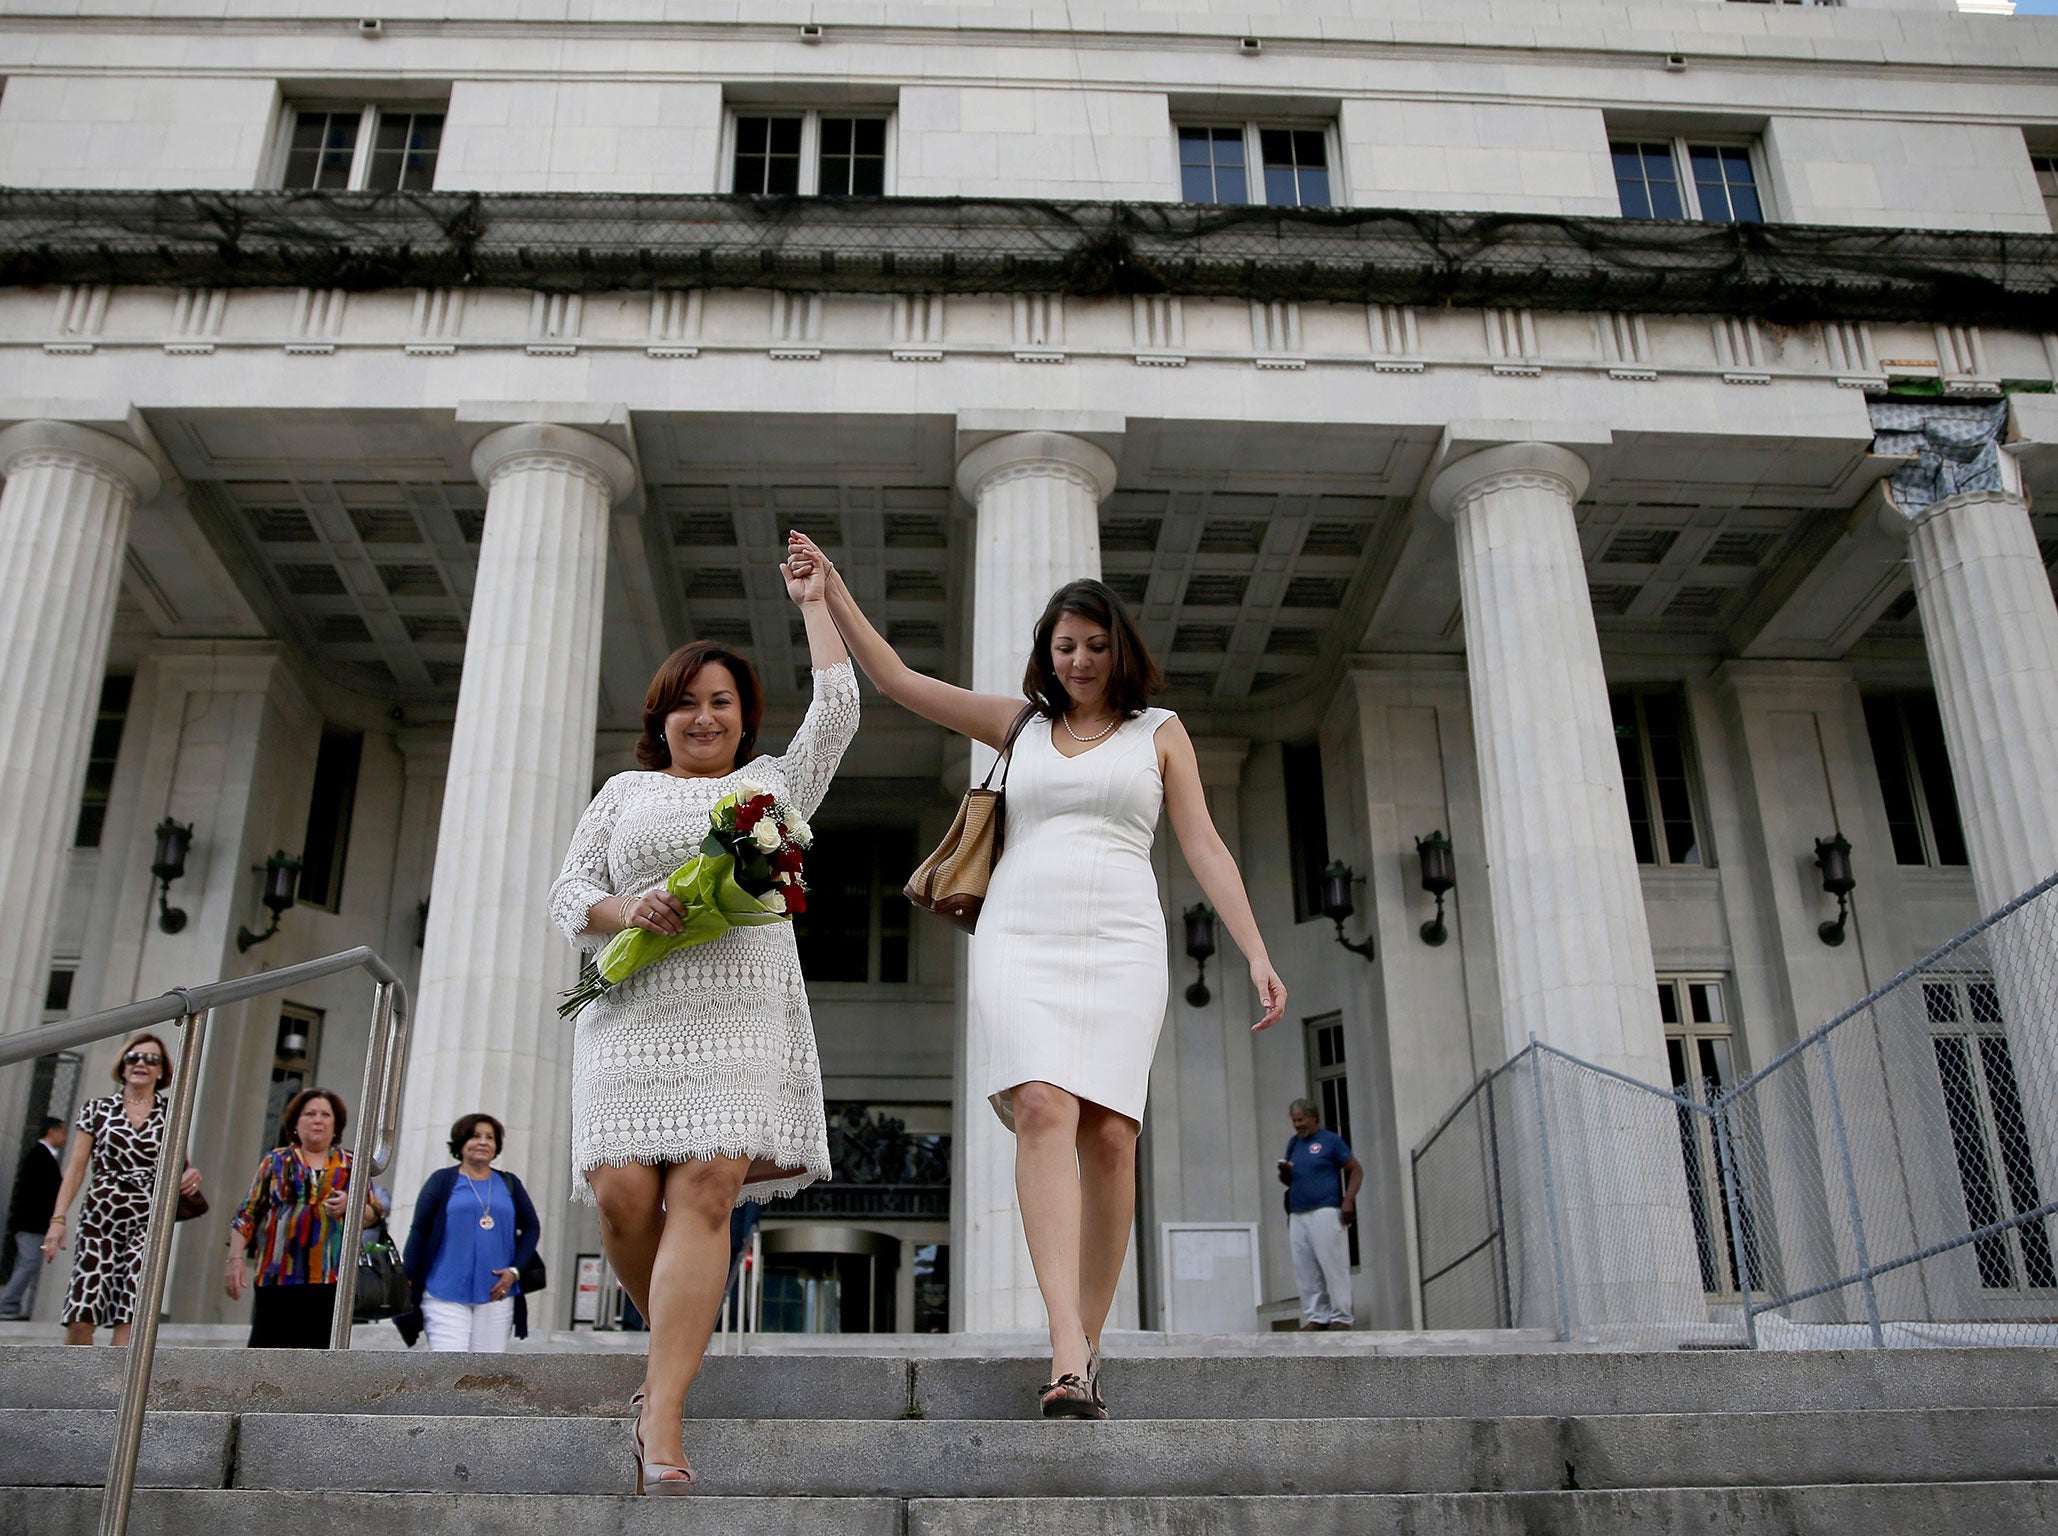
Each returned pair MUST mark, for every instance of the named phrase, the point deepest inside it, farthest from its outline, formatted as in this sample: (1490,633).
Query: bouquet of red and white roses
(748,873)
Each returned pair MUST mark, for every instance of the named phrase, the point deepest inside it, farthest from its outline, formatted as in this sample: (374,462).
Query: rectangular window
(363,148)
(809,154)
(1907,737)
(857,923)
(1293,164)
(328,819)
(1997,1173)
(108,723)
(1699,1048)
(57,991)
(295,1053)
(1719,184)
(1307,826)
(1329,1085)
(1657,781)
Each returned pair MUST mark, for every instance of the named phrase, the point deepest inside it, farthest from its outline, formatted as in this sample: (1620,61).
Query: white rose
(802,834)
(773,901)
(748,789)
(765,834)
(782,878)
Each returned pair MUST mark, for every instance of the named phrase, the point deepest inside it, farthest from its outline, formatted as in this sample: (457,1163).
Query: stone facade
(1448,547)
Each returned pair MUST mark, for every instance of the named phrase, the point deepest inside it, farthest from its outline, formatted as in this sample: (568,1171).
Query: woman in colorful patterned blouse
(292,1224)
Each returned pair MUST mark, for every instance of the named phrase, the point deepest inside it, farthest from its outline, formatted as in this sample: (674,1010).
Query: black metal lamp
(173,840)
(281,880)
(1833,858)
(1336,904)
(1200,944)
(1439,876)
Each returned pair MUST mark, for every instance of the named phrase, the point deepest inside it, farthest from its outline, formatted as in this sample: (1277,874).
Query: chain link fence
(1887,1180)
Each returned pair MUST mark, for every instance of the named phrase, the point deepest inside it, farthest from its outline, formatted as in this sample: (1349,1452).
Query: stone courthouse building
(1607,433)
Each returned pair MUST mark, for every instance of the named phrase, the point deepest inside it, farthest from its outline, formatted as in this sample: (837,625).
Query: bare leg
(78,1333)
(632,1219)
(686,1285)
(1107,1187)
(1047,1188)
(121,1335)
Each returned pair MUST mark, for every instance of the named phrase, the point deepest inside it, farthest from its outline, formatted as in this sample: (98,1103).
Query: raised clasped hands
(805,571)
(1271,994)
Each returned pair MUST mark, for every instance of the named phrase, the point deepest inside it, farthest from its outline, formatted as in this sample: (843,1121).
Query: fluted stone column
(1991,628)
(1038,496)
(487,1034)
(64,522)
(1571,937)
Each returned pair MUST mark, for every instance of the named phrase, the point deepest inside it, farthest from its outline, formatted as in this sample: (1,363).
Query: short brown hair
(1136,678)
(461,1132)
(668,689)
(289,1122)
(164,1071)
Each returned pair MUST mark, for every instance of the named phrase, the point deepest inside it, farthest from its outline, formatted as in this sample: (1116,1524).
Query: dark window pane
(321,151)
(1668,763)
(1896,782)
(1723,179)
(1296,167)
(1668,1012)
(2018,1167)
(1647,181)
(1211,168)
(854,877)
(329,807)
(853,157)
(1307,826)
(57,991)
(404,152)
(108,722)
(1975,1169)
(1933,766)
(1636,797)
(768,155)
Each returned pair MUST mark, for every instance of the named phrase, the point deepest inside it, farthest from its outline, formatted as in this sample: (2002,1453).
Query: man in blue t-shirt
(1321,1178)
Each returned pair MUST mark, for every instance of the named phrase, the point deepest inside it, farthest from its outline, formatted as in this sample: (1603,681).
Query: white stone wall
(84,128)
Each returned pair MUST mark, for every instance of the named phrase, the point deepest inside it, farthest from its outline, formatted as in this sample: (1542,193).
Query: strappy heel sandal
(1093,1365)
(1069,1397)
(651,1480)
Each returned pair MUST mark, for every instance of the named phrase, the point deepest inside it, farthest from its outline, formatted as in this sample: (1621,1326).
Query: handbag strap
(1007,750)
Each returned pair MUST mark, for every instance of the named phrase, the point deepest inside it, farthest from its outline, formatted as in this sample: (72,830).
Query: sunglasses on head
(142,1059)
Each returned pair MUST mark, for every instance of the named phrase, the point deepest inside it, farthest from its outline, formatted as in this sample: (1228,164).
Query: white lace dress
(710,1051)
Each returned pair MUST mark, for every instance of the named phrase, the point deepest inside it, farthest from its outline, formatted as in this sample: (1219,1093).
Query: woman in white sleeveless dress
(1069,965)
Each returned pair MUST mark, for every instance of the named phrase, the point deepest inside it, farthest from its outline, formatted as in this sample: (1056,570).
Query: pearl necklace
(1066,721)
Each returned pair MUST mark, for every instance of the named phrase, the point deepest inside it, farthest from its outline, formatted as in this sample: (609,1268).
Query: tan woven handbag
(952,881)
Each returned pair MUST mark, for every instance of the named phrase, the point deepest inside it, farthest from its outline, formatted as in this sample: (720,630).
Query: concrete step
(1298,1386)
(1889,1509)
(972,1459)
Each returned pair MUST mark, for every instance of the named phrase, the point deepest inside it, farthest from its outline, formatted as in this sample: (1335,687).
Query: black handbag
(533,1275)
(382,1288)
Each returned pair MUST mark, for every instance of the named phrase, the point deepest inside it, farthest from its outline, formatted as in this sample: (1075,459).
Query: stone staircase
(246,1443)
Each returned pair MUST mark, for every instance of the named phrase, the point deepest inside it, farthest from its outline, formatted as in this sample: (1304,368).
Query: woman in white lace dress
(695,1084)
(1069,966)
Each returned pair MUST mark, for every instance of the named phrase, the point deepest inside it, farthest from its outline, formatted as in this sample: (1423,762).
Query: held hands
(503,1283)
(1271,993)
(805,571)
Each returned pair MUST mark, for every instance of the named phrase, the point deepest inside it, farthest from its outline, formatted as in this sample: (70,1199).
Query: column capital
(569,448)
(1458,483)
(1045,453)
(95,452)
(1943,506)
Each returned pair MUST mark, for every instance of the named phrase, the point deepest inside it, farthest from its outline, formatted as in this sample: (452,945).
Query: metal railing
(1888,1179)
(189,1007)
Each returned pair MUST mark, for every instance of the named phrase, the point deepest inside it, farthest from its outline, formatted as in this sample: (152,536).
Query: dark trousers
(292,1316)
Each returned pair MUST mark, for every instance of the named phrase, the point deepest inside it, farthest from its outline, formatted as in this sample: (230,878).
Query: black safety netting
(1786,273)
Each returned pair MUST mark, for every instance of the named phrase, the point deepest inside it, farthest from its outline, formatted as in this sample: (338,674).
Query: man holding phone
(1321,1178)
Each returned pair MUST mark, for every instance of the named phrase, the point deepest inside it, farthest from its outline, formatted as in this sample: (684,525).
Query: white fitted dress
(711,1050)
(1069,970)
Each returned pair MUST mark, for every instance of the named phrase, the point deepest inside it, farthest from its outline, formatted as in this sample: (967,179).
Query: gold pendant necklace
(485,1216)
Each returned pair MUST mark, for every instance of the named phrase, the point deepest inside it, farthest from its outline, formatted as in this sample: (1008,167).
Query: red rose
(747,816)
(787,859)
(796,899)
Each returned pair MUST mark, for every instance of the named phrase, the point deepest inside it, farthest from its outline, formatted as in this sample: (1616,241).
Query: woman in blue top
(474,1228)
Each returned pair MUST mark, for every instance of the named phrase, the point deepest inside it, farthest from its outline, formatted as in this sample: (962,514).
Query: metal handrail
(385,1067)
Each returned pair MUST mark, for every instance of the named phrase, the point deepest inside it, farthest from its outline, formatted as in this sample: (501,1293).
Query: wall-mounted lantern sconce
(281,880)
(1833,858)
(421,924)
(1200,944)
(292,1042)
(1336,904)
(1439,875)
(173,839)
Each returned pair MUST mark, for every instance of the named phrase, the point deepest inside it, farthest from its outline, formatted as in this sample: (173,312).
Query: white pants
(454,1327)
(1321,1264)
